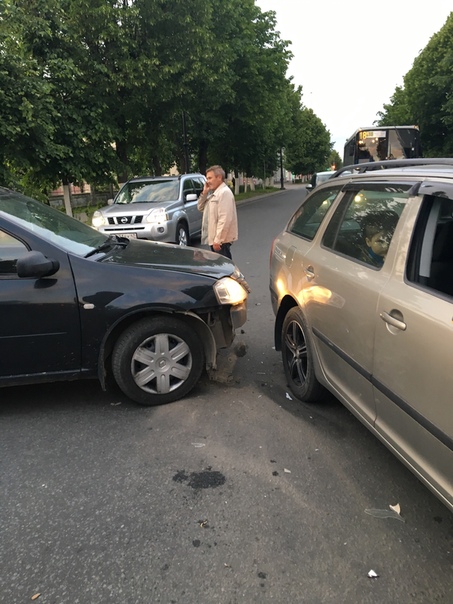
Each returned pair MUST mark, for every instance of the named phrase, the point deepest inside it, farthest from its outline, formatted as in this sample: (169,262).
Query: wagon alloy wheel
(297,353)
(158,360)
(297,356)
(182,235)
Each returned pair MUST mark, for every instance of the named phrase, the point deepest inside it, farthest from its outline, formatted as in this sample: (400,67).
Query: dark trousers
(224,250)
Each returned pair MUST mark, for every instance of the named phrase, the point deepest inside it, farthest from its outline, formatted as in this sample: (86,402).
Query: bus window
(379,143)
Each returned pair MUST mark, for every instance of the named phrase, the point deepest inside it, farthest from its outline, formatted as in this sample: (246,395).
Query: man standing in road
(220,223)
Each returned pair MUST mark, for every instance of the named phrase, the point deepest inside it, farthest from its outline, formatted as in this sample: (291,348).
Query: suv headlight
(98,220)
(157,215)
(229,291)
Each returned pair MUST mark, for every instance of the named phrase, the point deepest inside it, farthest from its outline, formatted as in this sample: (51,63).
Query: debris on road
(393,512)
(396,508)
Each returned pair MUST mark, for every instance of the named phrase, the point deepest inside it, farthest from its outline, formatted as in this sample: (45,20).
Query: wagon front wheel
(297,357)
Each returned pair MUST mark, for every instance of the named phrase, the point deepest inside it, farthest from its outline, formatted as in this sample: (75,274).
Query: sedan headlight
(98,220)
(229,291)
(157,215)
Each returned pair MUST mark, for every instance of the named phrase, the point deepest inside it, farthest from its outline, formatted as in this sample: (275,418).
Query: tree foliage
(309,145)
(427,96)
(90,89)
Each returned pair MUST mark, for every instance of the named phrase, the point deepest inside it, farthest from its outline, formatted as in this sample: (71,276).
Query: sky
(350,56)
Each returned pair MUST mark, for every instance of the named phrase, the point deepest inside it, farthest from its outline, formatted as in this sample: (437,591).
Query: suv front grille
(120,220)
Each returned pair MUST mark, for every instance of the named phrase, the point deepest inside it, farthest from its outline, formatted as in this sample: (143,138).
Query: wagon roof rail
(390,164)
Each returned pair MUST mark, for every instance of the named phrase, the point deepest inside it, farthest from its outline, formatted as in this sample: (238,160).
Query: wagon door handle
(385,316)
(310,272)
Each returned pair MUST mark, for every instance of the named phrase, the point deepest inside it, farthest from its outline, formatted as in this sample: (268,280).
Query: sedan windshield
(155,191)
(54,226)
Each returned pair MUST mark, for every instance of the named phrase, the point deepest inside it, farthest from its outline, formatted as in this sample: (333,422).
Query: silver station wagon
(361,283)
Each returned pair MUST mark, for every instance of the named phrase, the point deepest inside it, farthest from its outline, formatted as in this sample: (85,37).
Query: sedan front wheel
(158,360)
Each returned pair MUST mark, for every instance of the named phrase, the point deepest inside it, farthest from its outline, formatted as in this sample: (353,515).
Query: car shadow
(59,396)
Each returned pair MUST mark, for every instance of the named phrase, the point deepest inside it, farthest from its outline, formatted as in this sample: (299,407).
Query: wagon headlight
(229,291)
(157,215)
(98,220)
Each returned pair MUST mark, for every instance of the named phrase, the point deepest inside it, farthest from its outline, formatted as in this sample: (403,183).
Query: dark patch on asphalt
(196,543)
(207,479)
(180,476)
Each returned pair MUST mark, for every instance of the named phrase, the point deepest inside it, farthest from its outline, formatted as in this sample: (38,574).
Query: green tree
(335,161)
(91,88)
(428,88)
(397,112)
(233,111)
(427,97)
(74,145)
(26,110)
(309,146)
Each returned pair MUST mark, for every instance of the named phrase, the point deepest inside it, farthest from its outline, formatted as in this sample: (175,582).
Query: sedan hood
(167,256)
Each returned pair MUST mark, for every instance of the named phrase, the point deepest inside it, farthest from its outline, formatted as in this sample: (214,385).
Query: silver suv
(162,208)
(361,284)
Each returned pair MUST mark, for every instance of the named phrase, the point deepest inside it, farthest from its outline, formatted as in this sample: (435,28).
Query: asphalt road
(237,494)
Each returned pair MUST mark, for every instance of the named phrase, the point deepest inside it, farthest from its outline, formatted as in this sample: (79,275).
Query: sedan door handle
(310,272)
(392,321)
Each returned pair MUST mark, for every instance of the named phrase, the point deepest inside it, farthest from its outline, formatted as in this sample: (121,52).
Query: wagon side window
(308,218)
(363,225)
(431,255)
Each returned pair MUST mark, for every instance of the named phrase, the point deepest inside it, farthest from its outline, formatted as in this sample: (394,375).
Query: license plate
(128,235)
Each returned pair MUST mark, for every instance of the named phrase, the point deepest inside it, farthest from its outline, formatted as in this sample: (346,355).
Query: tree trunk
(203,156)
(121,152)
(67,196)
(157,166)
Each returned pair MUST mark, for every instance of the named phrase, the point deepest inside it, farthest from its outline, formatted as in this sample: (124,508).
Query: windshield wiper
(112,241)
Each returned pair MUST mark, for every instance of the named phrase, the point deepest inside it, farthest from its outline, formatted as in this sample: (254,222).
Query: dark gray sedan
(75,303)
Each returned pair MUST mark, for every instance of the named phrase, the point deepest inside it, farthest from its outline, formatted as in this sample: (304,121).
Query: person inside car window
(377,230)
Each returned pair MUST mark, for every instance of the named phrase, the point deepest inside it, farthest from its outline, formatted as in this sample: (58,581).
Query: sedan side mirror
(35,264)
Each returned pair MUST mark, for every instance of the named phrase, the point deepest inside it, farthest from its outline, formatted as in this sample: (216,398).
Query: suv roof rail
(393,163)
(154,176)
(174,176)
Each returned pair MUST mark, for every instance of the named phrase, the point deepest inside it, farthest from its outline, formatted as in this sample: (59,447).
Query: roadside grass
(255,193)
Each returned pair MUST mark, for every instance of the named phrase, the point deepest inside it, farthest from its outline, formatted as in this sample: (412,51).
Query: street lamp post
(185,144)
(281,169)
